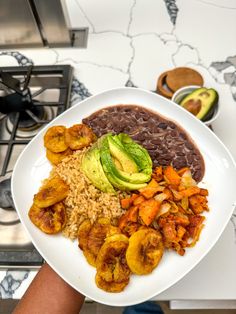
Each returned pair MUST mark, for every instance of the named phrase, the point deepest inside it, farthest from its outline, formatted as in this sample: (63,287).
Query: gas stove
(30,97)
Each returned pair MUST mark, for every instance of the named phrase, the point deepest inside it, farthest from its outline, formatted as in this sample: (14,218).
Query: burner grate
(47,78)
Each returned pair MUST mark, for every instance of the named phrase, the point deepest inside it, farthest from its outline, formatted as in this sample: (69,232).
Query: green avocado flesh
(201,103)
(117,161)
(92,168)
(118,152)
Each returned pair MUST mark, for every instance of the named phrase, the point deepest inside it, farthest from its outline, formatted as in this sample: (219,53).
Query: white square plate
(64,256)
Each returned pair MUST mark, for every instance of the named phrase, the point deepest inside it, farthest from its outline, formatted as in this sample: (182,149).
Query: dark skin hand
(49,294)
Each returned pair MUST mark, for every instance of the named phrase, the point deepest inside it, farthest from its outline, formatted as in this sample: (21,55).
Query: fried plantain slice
(79,136)
(56,158)
(50,220)
(54,139)
(54,191)
(91,237)
(83,234)
(111,261)
(145,251)
(110,286)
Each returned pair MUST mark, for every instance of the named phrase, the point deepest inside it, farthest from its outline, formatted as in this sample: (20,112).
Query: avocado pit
(193,106)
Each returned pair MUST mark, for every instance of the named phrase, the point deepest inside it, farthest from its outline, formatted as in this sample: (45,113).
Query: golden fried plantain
(56,158)
(100,230)
(145,251)
(83,233)
(91,237)
(110,286)
(49,220)
(79,136)
(54,139)
(54,191)
(111,261)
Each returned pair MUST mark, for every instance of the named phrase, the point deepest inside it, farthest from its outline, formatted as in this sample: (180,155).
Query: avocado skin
(93,169)
(111,171)
(208,104)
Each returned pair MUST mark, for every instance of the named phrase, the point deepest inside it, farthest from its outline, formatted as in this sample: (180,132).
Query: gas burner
(8,218)
(28,125)
(8,215)
(6,201)
(25,120)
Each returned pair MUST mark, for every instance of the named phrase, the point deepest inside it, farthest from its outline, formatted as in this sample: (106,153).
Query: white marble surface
(131,42)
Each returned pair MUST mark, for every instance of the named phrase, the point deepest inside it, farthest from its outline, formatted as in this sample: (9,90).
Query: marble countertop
(130,43)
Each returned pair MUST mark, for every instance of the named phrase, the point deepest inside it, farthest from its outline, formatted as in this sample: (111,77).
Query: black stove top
(30,97)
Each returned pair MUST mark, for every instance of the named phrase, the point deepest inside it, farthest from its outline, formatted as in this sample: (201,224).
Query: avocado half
(201,103)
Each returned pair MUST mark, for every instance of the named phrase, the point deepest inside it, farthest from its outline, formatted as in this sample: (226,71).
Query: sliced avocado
(201,102)
(117,163)
(112,173)
(124,185)
(117,140)
(139,153)
(118,152)
(138,177)
(92,168)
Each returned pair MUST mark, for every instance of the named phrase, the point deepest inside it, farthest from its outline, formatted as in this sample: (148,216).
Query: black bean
(145,117)
(183,136)
(156,141)
(172,125)
(197,175)
(180,153)
(189,145)
(190,158)
(179,163)
(138,137)
(150,146)
(167,157)
(173,133)
(164,162)
(178,148)
(162,125)
(102,124)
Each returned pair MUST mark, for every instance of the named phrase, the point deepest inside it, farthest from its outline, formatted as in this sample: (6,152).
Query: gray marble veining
(11,282)
(172,10)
